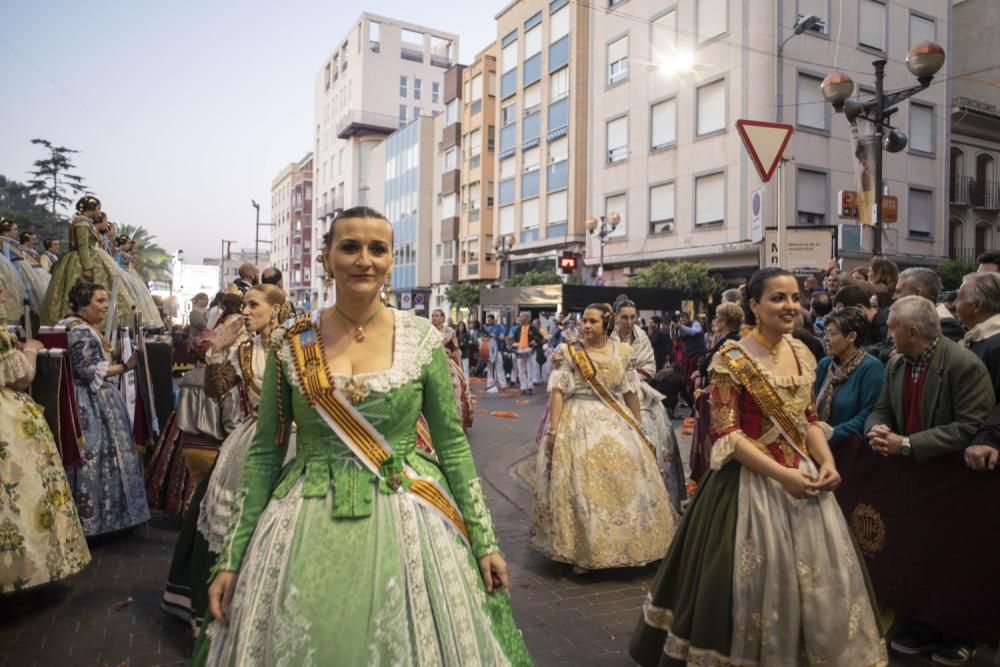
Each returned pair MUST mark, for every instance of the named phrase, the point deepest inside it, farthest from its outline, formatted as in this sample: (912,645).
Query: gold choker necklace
(773,348)
(359,327)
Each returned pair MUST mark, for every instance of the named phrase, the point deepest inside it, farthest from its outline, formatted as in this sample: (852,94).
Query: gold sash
(745,370)
(586,366)
(359,435)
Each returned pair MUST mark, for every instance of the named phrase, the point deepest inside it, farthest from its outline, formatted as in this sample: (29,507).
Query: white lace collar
(412,348)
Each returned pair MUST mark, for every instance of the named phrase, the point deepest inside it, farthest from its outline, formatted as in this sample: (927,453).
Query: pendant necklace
(359,327)
(771,347)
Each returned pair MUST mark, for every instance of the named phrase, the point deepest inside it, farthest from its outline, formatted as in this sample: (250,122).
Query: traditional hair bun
(88,203)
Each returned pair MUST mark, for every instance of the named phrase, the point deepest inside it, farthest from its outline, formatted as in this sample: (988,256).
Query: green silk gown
(335,568)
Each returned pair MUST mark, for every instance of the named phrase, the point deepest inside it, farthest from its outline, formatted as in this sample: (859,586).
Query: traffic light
(567,262)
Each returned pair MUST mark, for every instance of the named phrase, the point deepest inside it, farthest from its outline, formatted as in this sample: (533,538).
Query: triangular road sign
(765,142)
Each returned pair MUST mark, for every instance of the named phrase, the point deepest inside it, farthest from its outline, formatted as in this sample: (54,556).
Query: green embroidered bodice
(392,401)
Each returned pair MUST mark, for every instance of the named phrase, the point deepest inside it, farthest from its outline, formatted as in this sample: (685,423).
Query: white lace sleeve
(561,377)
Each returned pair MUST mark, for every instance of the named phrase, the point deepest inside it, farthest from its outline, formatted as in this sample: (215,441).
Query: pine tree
(54,181)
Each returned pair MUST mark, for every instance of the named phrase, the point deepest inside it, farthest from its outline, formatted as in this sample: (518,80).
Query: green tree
(17,203)
(54,181)
(152,262)
(533,277)
(953,271)
(463,295)
(691,278)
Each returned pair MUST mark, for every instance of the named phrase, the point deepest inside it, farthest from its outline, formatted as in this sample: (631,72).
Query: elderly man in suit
(935,397)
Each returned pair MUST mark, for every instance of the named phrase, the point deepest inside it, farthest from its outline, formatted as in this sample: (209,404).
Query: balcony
(440,60)
(449,229)
(449,273)
(412,53)
(985,195)
(362,123)
(960,193)
(451,136)
(451,181)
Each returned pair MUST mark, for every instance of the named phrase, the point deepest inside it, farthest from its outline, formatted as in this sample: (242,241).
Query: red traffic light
(567,262)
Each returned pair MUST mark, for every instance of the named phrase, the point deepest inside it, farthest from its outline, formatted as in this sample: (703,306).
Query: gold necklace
(359,328)
(771,347)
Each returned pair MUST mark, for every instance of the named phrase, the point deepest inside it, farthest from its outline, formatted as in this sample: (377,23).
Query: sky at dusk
(183,111)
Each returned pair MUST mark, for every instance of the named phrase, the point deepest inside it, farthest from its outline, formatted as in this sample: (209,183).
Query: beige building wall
(666,94)
(360,98)
(281,217)
(541,175)
(974,178)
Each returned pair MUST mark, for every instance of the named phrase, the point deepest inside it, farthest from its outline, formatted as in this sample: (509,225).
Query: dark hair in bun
(88,203)
(622,301)
(607,316)
(355,212)
(755,289)
(81,294)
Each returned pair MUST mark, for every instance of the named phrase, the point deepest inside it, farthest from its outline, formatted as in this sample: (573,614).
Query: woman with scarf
(599,499)
(849,380)
(655,421)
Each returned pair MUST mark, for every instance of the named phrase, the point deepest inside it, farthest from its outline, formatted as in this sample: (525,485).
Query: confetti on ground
(524,402)
(121,604)
(503,413)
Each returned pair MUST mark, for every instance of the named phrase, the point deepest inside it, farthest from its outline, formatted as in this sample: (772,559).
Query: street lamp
(503,246)
(604,229)
(924,60)
(804,23)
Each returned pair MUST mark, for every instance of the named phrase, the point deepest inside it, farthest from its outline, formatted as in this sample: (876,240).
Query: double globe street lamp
(503,246)
(604,229)
(924,60)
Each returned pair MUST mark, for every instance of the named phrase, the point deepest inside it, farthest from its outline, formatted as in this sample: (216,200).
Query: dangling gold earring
(386,288)
(327,273)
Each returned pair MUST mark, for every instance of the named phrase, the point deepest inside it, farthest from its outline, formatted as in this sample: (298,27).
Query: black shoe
(952,654)
(911,643)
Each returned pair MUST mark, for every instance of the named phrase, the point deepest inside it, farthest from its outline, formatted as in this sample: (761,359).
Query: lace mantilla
(413,346)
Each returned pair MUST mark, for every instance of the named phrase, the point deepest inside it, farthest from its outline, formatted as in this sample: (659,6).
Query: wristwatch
(905,449)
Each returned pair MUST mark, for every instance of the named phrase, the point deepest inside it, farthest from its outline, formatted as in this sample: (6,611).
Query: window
(449,206)
(416,111)
(871,24)
(810,106)
(663,124)
(451,113)
(618,60)
(417,88)
(476,92)
(559,54)
(559,114)
(508,114)
(711,18)
(617,204)
(532,69)
(507,168)
(921,128)
(559,150)
(508,64)
(661,208)
(557,207)
(617,137)
(506,220)
(921,212)
(450,159)
(529,214)
(449,252)
(374,33)
(529,184)
(663,38)
(507,191)
(559,25)
(533,42)
(710,199)
(402,114)
(508,137)
(532,126)
(811,197)
(559,84)
(532,98)
(557,175)
(711,108)
(491,84)
(921,29)
(530,159)
(475,142)
(402,86)
(816,8)
(435,92)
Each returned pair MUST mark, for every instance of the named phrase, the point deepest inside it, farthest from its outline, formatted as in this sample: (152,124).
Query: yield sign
(765,142)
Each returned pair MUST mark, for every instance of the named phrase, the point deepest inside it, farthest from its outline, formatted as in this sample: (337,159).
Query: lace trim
(483,519)
(413,348)
(724,448)
(13,366)
(656,617)
(802,355)
(100,372)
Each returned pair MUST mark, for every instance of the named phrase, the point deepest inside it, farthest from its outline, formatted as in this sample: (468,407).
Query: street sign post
(757,215)
(849,206)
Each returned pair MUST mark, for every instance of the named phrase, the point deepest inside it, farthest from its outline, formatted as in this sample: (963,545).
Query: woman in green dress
(361,550)
(85,261)
(763,570)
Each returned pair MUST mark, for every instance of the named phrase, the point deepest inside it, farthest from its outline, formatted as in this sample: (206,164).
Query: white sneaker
(492,390)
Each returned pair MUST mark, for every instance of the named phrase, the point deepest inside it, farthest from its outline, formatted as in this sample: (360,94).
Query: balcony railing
(411,53)
(967,255)
(969,103)
(961,191)
(366,122)
(985,195)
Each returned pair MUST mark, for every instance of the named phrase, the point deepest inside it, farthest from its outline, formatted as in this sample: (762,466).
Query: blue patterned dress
(108,486)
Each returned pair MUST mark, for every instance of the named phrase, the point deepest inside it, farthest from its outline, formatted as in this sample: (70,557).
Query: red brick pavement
(566,620)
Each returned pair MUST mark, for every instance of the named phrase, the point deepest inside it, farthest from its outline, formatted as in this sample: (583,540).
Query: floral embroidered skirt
(398,587)
(756,577)
(599,489)
(41,539)
(658,427)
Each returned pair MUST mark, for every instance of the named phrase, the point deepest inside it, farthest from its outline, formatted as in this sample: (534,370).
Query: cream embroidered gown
(601,489)
(334,567)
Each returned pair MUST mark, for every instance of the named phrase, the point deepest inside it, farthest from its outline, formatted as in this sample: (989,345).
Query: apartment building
(974,223)
(382,75)
(291,236)
(449,190)
(541,156)
(669,82)
(232,262)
